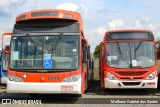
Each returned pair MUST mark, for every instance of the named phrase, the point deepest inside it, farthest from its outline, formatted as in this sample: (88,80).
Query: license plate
(66,88)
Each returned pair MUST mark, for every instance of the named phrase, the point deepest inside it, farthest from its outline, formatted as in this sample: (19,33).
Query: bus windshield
(130,54)
(44,52)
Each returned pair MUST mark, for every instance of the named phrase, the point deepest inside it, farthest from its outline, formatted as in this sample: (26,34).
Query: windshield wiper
(35,46)
(57,42)
(135,50)
(140,43)
(119,49)
(130,55)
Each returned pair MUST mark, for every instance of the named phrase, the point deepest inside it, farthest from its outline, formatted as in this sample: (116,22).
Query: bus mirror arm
(6,48)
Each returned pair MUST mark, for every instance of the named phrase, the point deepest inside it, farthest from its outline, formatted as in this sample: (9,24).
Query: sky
(98,16)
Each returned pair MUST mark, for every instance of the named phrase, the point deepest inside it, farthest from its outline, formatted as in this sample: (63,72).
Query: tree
(96,52)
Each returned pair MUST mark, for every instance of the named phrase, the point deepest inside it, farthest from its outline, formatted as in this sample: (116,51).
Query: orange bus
(49,54)
(128,60)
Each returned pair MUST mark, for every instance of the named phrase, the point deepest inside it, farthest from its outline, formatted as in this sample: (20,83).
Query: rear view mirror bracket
(6,48)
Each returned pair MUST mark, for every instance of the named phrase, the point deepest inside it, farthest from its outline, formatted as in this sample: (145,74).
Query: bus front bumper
(113,84)
(54,88)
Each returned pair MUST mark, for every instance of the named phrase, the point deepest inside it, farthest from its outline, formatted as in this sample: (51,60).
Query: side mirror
(7,47)
(85,41)
(6,40)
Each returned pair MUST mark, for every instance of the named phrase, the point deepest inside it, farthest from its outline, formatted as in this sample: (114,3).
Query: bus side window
(158,49)
(84,49)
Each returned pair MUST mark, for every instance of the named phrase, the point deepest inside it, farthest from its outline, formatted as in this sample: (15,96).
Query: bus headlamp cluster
(14,78)
(72,78)
(111,76)
(152,76)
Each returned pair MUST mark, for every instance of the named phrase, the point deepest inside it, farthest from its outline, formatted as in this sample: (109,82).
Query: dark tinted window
(37,14)
(46,26)
(130,36)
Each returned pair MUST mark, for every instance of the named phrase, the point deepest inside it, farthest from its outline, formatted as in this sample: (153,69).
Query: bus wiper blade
(135,49)
(56,44)
(130,55)
(140,43)
(119,49)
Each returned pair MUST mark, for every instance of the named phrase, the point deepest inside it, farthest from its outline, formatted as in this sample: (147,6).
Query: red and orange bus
(128,60)
(49,54)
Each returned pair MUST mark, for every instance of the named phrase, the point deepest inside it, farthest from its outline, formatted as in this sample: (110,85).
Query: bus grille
(131,73)
(133,78)
(131,83)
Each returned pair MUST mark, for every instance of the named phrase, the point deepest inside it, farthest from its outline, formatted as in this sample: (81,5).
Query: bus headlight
(152,76)
(111,76)
(72,78)
(14,78)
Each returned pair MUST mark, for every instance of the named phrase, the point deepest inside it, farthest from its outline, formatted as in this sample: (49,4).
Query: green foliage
(96,52)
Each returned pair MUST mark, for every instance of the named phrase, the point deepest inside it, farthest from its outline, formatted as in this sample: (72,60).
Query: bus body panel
(37,87)
(113,84)
(130,78)
(60,16)
(45,76)
(127,73)
(37,82)
(84,71)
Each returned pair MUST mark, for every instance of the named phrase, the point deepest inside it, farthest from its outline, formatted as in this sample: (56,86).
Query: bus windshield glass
(44,52)
(130,54)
